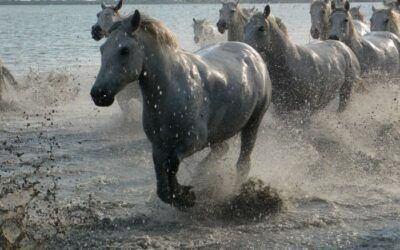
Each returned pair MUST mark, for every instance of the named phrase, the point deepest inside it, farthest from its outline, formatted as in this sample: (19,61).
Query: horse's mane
(394,18)
(158,31)
(154,28)
(353,31)
(278,21)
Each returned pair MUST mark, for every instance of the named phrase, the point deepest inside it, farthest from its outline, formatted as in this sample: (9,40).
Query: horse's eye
(233,11)
(124,51)
(322,12)
(261,29)
(98,14)
(346,20)
(386,20)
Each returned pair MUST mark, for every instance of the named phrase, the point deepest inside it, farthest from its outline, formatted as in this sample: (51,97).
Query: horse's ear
(194,20)
(267,11)
(237,2)
(119,5)
(358,7)
(103,6)
(327,1)
(373,8)
(347,6)
(135,20)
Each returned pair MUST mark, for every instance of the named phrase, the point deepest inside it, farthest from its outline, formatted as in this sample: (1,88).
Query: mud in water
(254,201)
(77,176)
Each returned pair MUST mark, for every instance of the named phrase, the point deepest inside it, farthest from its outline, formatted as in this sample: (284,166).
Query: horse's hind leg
(344,94)
(248,140)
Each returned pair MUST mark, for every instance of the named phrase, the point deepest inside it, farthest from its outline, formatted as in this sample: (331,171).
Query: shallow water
(83,180)
(49,37)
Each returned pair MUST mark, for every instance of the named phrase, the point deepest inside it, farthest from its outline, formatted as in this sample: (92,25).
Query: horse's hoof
(184,199)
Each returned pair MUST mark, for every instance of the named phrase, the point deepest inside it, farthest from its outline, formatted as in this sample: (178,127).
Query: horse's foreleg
(168,188)
(344,94)
(248,140)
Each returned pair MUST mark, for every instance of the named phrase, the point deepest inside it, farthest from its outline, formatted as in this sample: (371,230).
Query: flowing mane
(159,31)
(154,28)
(394,18)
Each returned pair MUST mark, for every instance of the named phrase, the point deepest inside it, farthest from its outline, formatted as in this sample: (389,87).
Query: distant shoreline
(147,3)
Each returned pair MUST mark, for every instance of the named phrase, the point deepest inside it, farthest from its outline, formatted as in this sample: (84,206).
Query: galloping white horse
(188,99)
(106,18)
(233,18)
(376,51)
(304,77)
(320,10)
(385,20)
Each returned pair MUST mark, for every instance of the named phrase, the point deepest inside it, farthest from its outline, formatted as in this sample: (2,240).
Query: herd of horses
(190,98)
(196,100)
(192,101)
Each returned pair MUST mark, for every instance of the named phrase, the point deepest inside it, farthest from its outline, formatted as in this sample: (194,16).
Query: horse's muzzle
(101,98)
(97,32)
(333,37)
(314,33)
(222,27)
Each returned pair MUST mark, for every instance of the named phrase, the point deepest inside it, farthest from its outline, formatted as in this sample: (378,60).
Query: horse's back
(380,51)
(330,56)
(236,83)
(236,60)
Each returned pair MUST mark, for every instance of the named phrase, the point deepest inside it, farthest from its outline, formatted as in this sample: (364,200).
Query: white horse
(232,18)
(320,10)
(106,18)
(205,33)
(304,77)
(191,101)
(376,51)
(385,20)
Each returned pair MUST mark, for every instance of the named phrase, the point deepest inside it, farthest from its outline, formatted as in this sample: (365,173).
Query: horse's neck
(353,40)
(282,49)
(236,31)
(156,70)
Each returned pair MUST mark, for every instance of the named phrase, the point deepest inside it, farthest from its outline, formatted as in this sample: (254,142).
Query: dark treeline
(72,2)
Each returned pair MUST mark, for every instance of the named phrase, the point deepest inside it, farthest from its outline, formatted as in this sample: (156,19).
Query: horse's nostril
(333,37)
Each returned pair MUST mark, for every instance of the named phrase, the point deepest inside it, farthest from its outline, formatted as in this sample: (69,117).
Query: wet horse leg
(248,140)
(168,188)
(344,93)
(217,151)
